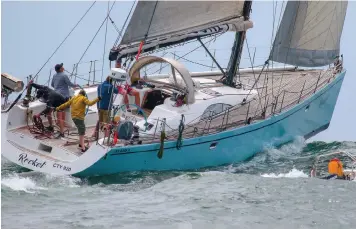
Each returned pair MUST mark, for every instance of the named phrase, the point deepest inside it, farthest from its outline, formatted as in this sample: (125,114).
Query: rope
(106,31)
(253,71)
(65,38)
(184,55)
(126,20)
(148,29)
(180,134)
(19,96)
(38,128)
(78,76)
(290,41)
(95,34)
(193,62)
(113,24)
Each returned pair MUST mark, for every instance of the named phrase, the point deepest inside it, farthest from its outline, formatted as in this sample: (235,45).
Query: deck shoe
(86,148)
(60,135)
(49,128)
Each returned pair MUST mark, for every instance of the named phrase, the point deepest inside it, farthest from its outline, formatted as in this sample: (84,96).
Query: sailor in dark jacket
(52,99)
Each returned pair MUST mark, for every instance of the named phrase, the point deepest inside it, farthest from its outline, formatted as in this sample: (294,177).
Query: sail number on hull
(24,159)
(59,166)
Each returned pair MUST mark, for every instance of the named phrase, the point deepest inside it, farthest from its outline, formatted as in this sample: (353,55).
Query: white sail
(309,34)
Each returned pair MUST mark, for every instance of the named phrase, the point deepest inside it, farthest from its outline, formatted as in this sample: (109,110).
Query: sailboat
(190,120)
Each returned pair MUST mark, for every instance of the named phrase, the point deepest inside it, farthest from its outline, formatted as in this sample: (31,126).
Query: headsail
(309,33)
(165,23)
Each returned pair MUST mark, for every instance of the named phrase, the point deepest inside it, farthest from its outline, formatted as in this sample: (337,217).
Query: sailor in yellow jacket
(78,107)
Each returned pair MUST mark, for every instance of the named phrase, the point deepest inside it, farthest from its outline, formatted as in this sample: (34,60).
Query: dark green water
(272,190)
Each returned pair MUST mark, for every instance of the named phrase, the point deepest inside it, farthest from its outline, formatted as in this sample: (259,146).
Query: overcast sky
(30,32)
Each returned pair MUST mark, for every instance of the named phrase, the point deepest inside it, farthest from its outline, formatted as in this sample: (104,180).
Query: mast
(235,57)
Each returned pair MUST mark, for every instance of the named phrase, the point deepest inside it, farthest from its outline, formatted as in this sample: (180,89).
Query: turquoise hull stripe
(231,146)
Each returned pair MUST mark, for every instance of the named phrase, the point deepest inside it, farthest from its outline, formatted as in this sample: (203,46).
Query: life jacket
(335,167)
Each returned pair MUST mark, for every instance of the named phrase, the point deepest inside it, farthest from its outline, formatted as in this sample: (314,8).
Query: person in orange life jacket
(126,89)
(78,107)
(335,167)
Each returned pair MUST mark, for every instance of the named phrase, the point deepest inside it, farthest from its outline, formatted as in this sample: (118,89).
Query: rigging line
(146,35)
(65,38)
(79,76)
(19,96)
(127,18)
(274,21)
(106,32)
(184,55)
(254,84)
(193,62)
(82,74)
(253,71)
(113,24)
(280,15)
(279,24)
(96,34)
(149,25)
(265,86)
(290,41)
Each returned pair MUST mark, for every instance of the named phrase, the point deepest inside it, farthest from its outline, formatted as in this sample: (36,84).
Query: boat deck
(277,91)
(70,142)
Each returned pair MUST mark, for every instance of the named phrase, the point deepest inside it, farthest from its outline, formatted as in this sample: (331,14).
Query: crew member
(78,106)
(105,91)
(126,89)
(61,84)
(335,167)
(52,100)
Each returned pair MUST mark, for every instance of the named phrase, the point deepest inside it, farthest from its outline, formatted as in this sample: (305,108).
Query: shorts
(47,111)
(103,116)
(80,126)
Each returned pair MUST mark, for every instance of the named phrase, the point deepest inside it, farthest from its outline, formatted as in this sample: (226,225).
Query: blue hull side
(233,145)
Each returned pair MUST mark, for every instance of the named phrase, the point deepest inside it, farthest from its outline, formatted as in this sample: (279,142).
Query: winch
(9,84)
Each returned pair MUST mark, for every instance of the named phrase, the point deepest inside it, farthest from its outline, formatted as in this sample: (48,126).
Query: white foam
(17,183)
(294,173)
(288,150)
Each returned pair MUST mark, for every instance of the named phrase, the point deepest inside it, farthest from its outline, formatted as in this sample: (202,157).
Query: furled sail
(309,33)
(164,23)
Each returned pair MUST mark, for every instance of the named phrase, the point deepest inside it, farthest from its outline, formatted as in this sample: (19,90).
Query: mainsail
(309,33)
(164,23)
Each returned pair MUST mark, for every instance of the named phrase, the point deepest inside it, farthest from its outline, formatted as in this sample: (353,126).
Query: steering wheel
(123,107)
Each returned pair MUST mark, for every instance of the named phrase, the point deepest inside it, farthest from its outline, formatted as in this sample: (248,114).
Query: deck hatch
(45,148)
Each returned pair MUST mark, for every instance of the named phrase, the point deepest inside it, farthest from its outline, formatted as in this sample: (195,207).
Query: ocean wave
(294,173)
(33,182)
(17,183)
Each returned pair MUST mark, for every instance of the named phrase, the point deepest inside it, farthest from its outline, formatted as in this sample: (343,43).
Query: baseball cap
(58,67)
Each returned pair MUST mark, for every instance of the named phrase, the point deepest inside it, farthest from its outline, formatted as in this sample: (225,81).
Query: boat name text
(59,166)
(122,150)
(23,159)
